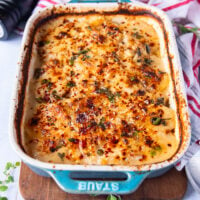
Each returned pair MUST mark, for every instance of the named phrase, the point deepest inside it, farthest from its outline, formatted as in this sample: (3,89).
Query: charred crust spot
(34,121)
(84,144)
(38,72)
(46,97)
(141,93)
(89,103)
(144,157)
(83,130)
(101,38)
(55,61)
(93,124)
(61,35)
(66,94)
(148,141)
(81,118)
(115,140)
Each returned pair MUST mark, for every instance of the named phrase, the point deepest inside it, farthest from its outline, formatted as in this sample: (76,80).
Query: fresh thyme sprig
(113,197)
(183,29)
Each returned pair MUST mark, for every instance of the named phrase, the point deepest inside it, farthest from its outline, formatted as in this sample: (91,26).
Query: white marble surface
(9,52)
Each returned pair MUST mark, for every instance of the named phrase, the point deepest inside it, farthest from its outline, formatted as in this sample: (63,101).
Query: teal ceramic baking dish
(95,179)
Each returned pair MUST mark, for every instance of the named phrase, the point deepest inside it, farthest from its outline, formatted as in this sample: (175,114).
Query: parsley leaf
(3,198)
(112,197)
(3,188)
(71,84)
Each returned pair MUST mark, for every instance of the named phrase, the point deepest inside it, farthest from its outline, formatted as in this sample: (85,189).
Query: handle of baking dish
(66,183)
(99,1)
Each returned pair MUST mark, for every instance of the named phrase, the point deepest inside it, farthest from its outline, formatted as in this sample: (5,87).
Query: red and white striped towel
(189,48)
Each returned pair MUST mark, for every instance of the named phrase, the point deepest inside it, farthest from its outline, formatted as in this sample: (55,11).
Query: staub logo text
(98,186)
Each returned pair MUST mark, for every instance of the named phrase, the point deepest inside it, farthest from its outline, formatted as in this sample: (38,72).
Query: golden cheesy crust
(99,93)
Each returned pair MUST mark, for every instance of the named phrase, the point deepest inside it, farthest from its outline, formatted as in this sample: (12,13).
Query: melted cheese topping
(98,93)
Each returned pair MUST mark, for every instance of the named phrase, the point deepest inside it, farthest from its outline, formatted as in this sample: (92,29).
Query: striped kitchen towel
(185,15)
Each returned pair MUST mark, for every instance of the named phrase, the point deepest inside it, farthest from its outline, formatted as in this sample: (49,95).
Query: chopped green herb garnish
(73,140)
(116,28)
(71,84)
(85,56)
(111,98)
(151,101)
(49,85)
(46,42)
(135,133)
(102,120)
(160,72)
(116,59)
(83,51)
(160,101)
(156,120)
(71,60)
(132,78)
(55,95)
(147,61)
(108,93)
(117,94)
(103,91)
(138,51)
(153,153)
(100,152)
(163,122)
(101,124)
(89,28)
(157,148)
(61,155)
(44,81)
(72,73)
(47,82)
(127,134)
(137,35)
(147,48)
(39,100)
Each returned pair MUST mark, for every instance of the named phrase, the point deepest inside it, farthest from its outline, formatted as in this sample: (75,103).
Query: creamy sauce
(99,93)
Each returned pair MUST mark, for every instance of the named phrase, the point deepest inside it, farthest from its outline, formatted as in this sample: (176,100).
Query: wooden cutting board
(171,185)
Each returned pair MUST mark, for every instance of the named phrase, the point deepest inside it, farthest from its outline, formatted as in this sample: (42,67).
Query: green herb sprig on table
(113,197)
(184,30)
(8,171)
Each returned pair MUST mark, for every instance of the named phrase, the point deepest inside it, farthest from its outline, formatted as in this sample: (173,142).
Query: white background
(9,53)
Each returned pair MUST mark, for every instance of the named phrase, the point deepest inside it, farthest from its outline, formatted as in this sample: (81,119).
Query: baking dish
(134,174)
